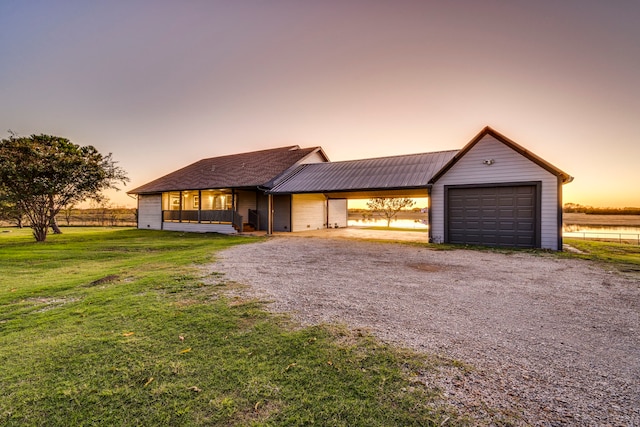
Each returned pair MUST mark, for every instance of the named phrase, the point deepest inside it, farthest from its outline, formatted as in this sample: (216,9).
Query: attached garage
(494,192)
(505,215)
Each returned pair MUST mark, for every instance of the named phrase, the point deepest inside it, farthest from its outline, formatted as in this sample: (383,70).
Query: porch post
(199,206)
(270,214)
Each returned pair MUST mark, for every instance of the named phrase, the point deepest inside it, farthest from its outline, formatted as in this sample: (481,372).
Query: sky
(162,84)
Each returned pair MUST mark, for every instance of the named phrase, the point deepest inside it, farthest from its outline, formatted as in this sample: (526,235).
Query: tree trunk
(54,226)
(40,233)
(52,217)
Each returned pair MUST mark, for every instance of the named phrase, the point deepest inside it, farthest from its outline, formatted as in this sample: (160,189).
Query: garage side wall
(508,167)
(338,214)
(150,211)
(308,212)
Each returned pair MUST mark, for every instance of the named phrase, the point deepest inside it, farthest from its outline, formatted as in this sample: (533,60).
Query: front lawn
(124,327)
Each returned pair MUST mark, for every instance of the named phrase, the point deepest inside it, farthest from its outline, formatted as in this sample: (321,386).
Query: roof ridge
(397,156)
(284,148)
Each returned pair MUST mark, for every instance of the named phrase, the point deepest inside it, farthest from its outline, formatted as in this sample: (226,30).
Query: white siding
(308,212)
(312,158)
(508,166)
(337,213)
(200,228)
(150,212)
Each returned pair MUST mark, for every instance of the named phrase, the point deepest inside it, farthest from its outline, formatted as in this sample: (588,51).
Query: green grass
(90,327)
(623,256)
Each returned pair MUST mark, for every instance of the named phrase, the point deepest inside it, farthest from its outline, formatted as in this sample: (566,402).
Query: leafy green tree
(388,208)
(41,174)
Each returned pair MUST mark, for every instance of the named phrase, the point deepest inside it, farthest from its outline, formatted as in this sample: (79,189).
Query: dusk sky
(162,84)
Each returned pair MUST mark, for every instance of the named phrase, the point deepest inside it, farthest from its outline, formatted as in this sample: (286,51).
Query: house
(220,194)
(491,192)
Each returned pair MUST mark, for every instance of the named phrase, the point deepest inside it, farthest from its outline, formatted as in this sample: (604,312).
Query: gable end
(564,177)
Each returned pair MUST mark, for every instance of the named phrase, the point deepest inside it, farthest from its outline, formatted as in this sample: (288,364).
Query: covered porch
(208,210)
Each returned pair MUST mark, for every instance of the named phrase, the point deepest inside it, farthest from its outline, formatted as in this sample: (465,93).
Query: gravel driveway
(554,341)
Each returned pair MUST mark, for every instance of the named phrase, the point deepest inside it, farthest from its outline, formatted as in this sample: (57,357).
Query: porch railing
(208,216)
(237,221)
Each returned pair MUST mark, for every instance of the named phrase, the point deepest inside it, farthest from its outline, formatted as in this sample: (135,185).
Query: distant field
(610,220)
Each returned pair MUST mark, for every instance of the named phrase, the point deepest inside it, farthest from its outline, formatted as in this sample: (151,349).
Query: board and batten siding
(150,211)
(308,212)
(509,167)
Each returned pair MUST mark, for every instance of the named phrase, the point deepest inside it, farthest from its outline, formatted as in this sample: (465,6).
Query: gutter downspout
(560,219)
(270,214)
(429,234)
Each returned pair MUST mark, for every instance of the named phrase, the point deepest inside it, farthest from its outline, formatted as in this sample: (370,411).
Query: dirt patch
(551,341)
(429,268)
(104,280)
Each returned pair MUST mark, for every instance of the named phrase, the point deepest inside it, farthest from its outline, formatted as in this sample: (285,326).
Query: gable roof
(565,177)
(384,173)
(253,169)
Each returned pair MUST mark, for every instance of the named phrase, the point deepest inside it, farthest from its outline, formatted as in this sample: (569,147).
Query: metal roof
(257,168)
(397,172)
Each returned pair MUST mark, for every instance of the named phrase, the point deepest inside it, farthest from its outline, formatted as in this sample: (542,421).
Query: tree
(67,212)
(388,208)
(41,174)
(10,211)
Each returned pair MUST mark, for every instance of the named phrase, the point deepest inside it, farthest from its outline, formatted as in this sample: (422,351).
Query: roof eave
(351,190)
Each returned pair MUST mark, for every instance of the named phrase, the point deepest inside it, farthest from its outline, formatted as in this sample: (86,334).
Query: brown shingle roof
(257,168)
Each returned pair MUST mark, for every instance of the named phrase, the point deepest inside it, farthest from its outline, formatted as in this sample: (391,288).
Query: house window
(171,201)
(200,206)
(218,200)
(190,200)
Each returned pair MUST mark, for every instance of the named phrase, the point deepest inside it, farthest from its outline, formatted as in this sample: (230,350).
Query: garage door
(493,216)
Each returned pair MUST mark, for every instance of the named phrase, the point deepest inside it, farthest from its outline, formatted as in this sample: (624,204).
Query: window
(216,200)
(171,201)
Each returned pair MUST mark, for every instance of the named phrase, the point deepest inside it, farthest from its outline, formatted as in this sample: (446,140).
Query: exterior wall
(245,200)
(282,212)
(150,211)
(200,228)
(308,212)
(338,214)
(509,166)
(263,210)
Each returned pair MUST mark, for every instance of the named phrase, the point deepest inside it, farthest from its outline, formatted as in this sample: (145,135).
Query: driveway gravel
(551,341)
